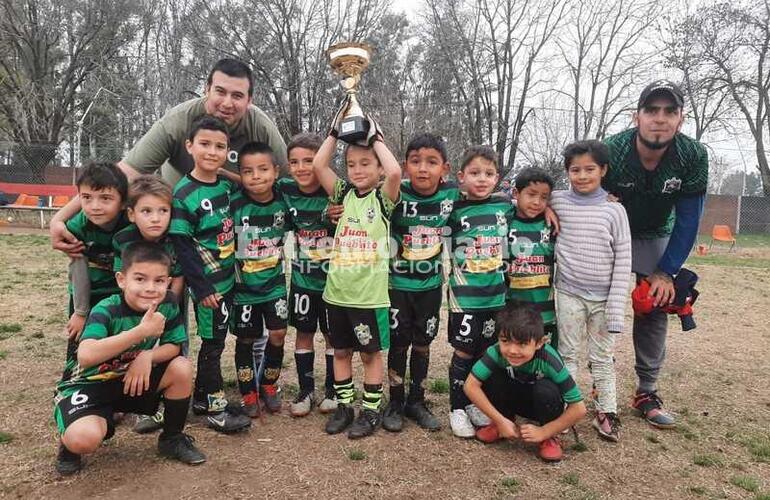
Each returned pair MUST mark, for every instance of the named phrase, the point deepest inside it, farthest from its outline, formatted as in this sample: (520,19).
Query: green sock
(372,397)
(345,391)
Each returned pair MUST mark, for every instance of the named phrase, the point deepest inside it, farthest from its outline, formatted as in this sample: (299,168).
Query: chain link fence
(742,214)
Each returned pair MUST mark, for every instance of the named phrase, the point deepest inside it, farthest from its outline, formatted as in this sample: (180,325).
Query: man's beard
(656,145)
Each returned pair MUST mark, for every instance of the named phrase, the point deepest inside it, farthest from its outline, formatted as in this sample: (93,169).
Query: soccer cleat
(607,425)
(340,419)
(302,405)
(147,424)
(180,447)
(250,404)
(67,463)
(366,423)
(461,425)
(229,421)
(649,406)
(550,450)
(329,403)
(393,416)
(478,418)
(420,413)
(488,434)
(271,397)
(200,407)
(213,404)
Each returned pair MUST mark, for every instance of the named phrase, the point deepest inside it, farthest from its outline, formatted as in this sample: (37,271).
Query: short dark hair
(597,149)
(233,68)
(257,148)
(104,175)
(520,323)
(148,185)
(532,175)
(482,151)
(305,140)
(428,141)
(207,122)
(144,251)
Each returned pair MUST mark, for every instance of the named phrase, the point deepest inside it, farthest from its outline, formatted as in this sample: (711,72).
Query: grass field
(715,380)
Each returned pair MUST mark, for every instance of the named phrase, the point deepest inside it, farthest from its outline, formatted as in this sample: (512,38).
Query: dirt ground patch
(715,380)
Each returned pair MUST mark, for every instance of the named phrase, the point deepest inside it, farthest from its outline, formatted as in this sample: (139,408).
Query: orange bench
(28,202)
(724,234)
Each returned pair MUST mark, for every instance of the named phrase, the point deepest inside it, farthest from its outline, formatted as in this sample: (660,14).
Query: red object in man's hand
(643,303)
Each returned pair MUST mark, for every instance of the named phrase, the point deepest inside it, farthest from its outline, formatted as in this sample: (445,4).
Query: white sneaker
(478,418)
(461,425)
(328,405)
(302,405)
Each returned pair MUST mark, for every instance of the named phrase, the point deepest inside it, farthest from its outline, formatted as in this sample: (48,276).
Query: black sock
(244,366)
(305,361)
(372,397)
(459,368)
(418,370)
(174,415)
(273,362)
(209,377)
(329,381)
(397,372)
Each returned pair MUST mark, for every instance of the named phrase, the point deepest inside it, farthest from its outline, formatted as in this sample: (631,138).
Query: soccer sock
(459,368)
(372,397)
(174,415)
(273,362)
(329,381)
(209,377)
(418,369)
(345,391)
(397,372)
(244,366)
(305,360)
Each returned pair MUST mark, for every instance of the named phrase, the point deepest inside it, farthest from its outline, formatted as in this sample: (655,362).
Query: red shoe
(550,450)
(488,434)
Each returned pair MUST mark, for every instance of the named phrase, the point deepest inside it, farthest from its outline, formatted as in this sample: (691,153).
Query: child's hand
(552,220)
(507,429)
(334,128)
(75,326)
(153,322)
(211,301)
(137,378)
(532,433)
(612,198)
(374,134)
(334,212)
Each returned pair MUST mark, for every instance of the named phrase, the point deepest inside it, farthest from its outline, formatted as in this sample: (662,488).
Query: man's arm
(322,165)
(81,296)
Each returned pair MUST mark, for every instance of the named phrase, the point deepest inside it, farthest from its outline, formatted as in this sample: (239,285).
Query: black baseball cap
(661,87)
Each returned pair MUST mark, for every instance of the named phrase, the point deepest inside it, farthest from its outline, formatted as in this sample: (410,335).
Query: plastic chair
(60,200)
(722,233)
(26,200)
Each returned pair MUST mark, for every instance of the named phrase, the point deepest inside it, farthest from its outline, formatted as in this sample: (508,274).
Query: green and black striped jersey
(201,212)
(529,263)
(479,229)
(417,226)
(546,363)
(131,234)
(110,317)
(313,235)
(260,232)
(99,251)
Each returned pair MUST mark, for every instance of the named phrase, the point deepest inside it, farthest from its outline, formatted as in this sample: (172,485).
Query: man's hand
(211,301)
(75,326)
(532,433)
(661,288)
(153,322)
(507,429)
(334,212)
(552,220)
(334,127)
(64,241)
(137,378)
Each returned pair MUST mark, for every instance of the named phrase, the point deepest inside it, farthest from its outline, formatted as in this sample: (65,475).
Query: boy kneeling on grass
(522,375)
(127,360)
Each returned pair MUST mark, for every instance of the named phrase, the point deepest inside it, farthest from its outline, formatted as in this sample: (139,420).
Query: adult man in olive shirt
(229,89)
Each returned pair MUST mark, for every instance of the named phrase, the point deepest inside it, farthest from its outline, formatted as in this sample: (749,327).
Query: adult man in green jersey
(228,94)
(660,176)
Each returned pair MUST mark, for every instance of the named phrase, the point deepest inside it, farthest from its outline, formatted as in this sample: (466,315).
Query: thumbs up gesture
(153,321)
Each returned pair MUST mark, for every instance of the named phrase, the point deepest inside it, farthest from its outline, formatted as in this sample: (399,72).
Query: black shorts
(252,319)
(414,317)
(472,332)
(105,398)
(307,311)
(214,323)
(364,330)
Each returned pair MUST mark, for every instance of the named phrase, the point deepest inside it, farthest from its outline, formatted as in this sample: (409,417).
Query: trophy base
(353,129)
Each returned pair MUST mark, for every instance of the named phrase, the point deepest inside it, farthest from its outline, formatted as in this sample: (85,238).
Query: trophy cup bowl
(349,60)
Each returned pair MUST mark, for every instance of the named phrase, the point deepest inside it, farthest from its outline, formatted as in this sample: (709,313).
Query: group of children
(370,278)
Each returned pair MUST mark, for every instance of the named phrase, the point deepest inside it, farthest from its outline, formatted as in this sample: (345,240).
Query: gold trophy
(350,59)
